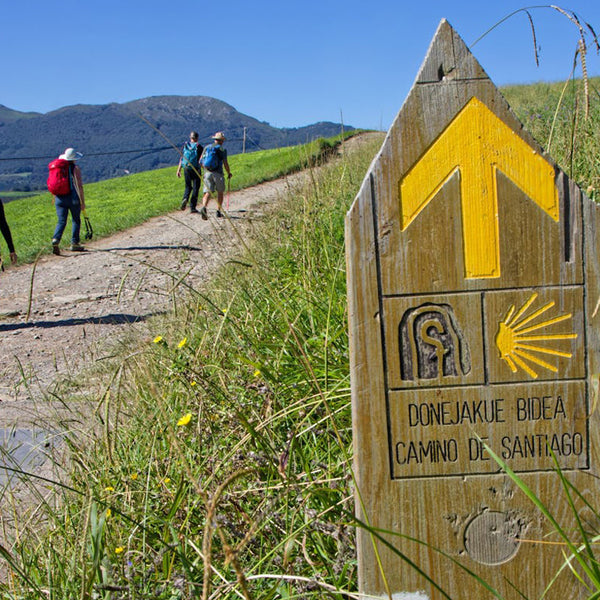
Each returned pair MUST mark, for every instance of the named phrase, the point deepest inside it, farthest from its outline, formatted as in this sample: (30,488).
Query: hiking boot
(219,214)
(183,205)
(203,213)
(77,248)
(193,210)
(55,248)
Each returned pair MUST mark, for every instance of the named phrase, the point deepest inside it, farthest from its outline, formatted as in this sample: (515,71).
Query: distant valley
(117,139)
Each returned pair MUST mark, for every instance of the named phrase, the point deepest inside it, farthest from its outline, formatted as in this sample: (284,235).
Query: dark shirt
(5,229)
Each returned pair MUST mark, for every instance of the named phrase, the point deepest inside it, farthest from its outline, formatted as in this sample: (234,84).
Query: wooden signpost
(473,275)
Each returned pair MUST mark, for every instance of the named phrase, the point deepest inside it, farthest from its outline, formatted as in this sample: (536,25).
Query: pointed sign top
(449,58)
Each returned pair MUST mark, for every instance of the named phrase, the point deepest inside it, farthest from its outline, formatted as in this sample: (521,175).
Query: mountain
(130,137)
(8,114)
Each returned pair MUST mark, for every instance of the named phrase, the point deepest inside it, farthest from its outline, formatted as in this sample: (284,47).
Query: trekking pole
(228,192)
(89,230)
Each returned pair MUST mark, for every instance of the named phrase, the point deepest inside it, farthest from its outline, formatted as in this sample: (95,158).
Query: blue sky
(289,63)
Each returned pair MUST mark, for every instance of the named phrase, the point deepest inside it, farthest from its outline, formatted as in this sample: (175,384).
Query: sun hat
(219,136)
(70,154)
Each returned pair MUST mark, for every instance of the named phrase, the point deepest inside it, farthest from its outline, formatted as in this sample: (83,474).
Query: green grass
(118,204)
(17,195)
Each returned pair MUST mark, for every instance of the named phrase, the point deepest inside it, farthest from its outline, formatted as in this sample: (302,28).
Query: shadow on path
(112,319)
(177,247)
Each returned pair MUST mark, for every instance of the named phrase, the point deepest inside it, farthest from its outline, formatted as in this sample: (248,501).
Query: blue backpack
(212,159)
(190,155)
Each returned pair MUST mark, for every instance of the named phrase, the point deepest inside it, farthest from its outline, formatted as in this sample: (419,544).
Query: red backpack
(58,177)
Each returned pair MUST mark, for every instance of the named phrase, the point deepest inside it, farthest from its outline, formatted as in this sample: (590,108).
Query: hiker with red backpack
(190,155)
(64,181)
(214,158)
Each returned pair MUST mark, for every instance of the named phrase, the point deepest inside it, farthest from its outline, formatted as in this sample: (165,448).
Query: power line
(112,152)
(91,153)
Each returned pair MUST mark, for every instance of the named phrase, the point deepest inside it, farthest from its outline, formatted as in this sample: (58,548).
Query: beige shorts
(213,182)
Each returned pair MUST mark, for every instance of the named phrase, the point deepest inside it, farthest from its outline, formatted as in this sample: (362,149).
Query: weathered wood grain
(471,316)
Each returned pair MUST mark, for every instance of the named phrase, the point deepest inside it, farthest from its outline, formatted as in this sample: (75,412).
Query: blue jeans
(64,205)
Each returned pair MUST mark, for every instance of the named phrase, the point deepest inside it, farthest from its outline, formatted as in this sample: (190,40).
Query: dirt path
(79,300)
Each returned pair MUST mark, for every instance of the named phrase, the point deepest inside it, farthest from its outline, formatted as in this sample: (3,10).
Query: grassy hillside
(117,204)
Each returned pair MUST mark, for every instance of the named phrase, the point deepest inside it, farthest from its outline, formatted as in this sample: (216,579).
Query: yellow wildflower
(134,476)
(182,343)
(257,373)
(158,339)
(184,420)
(119,550)
(109,488)
(193,383)
(108,513)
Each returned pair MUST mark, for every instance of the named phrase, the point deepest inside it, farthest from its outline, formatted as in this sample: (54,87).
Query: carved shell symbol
(519,346)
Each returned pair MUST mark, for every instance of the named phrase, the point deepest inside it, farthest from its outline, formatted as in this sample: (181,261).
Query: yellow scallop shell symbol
(519,345)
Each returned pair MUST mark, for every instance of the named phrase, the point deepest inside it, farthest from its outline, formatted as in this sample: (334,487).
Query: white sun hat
(70,154)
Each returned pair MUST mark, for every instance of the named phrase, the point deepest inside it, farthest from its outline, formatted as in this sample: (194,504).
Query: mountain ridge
(134,136)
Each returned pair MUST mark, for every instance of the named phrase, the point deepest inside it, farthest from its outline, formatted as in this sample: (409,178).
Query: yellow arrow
(477,144)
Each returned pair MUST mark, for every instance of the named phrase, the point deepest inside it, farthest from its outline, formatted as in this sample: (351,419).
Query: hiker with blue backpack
(213,159)
(190,156)
(64,182)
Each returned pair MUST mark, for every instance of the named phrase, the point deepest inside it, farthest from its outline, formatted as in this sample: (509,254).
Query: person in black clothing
(7,236)
(190,155)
